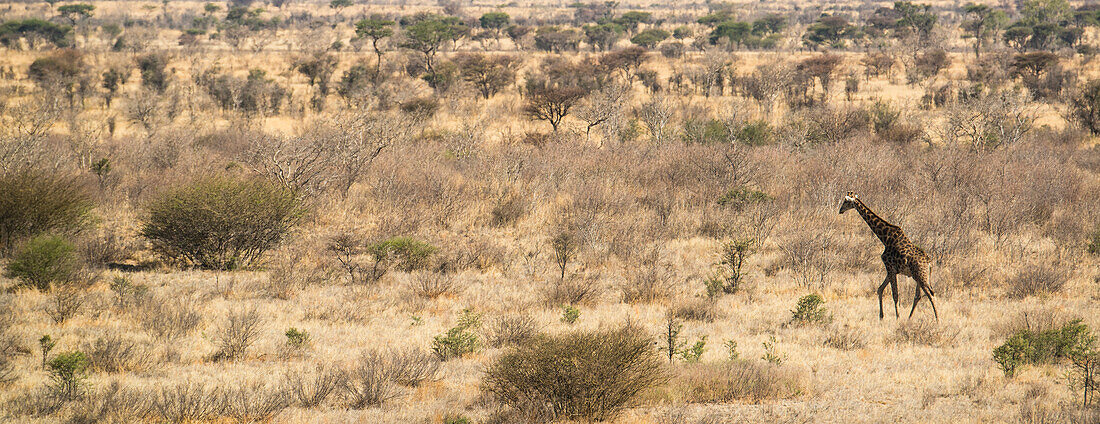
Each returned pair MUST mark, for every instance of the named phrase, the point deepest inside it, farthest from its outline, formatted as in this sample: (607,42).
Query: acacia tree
(603,106)
(318,69)
(76,12)
(428,34)
(488,74)
(1086,106)
(495,22)
(376,29)
(550,103)
(983,25)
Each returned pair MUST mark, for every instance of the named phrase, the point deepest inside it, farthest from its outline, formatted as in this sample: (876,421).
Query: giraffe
(900,256)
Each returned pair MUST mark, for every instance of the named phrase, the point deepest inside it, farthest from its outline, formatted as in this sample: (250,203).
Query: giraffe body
(900,256)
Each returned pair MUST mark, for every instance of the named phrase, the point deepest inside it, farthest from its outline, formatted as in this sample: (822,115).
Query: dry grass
(1007,226)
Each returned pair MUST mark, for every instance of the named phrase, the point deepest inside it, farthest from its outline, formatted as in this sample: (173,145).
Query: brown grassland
(216,212)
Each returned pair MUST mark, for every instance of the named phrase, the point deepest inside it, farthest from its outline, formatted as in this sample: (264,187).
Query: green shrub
(771,351)
(730,274)
(461,339)
(221,223)
(33,203)
(705,132)
(731,348)
(67,374)
(569,314)
(44,261)
(740,197)
(607,369)
(296,338)
(1040,347)
(406,253)
(809,310)
(693,353)
(755,133)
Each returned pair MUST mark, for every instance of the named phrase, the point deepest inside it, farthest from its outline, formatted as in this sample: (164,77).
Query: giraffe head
(849,201)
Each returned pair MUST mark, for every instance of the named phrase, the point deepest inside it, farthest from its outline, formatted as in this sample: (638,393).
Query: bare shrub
(430,285)
(648,280)
(697,309)
(376,377)
(511,329)
(168,320)
(64,303)
(996,119)
(925,332)
(845,337)
(1037,278)
(809,257)
(253,403)
(608,368)
(114,353)
(237,334)
(411,367)
(110,404)
(295,271)
(191,401)
(311,389)
(575,290)
(736,381)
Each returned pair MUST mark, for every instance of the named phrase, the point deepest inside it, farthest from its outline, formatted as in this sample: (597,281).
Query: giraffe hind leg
(916,299)
(930,300)
(880,289)
(894,292)
(922,284)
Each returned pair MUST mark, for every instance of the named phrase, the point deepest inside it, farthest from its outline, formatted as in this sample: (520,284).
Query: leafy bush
(809,310)
(33,203)
(44,261)
(408,254)
(460,339)
(607,369)
(755,133)
(221,223)
(1040,347)
(297,339)
(693,353)
(67,374)
(730,274)
(570,314)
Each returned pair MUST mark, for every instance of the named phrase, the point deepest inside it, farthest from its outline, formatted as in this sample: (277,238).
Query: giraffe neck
(878,225)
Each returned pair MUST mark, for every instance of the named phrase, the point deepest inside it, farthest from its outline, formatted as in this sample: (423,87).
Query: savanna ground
(420,222)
